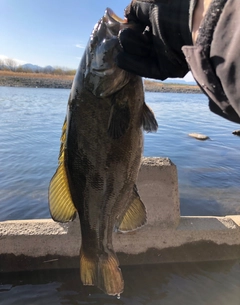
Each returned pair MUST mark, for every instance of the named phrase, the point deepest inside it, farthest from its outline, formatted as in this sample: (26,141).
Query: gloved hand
(145,52)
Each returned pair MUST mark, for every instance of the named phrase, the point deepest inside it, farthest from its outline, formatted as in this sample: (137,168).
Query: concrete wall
(167,237)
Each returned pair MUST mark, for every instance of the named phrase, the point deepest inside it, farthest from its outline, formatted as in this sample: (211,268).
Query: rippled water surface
(209,178)
(30,128)
(208,171)
(184,284)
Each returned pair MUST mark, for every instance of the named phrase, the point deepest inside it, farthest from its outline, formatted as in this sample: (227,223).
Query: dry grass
(160,85)
(27,79)
(35,75)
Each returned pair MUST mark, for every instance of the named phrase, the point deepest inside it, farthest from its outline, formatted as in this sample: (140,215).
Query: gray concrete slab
(167,237)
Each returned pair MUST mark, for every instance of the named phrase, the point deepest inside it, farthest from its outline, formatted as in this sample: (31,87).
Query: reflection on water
(30,128)
(215,283)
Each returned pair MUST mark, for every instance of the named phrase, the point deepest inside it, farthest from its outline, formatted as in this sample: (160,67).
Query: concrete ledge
(167,237)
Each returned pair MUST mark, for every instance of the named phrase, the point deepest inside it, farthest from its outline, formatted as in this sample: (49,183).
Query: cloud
(18,61)
(3,56)
(80,46)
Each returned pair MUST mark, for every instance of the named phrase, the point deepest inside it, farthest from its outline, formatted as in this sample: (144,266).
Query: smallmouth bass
(100,156)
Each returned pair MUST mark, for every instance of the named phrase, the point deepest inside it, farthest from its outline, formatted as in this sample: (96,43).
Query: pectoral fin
(135,215)
(149,121)
(118,120)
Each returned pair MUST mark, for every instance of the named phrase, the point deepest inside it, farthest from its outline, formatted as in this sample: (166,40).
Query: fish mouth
(103,76)
(110,17)
(113,22)
(107,39)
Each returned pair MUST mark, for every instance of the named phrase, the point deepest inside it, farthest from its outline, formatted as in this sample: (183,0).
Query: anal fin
(135,216)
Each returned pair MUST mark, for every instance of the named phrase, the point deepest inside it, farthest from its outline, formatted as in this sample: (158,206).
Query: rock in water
(236,132)
(198,136)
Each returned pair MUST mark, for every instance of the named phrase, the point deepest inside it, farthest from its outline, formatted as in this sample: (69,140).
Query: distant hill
(179,81)
(36,68)
(175,81)
(12,65)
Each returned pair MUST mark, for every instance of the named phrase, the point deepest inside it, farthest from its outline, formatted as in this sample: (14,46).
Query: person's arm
(156,52)
(198,15)
(152,43)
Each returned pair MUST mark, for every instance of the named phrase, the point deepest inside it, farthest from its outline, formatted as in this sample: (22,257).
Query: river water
(30,127)
(209,178)
(215,283)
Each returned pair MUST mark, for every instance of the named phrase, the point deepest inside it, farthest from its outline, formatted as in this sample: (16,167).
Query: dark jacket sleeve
(225,54)
(215,59)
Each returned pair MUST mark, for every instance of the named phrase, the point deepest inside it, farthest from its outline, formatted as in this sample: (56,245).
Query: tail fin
(102,272)
(88,270)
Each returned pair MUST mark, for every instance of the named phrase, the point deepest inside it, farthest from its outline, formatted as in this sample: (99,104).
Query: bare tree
(10,64)
(1,64)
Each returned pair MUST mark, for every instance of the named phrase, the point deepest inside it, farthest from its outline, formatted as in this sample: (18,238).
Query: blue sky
(51,32)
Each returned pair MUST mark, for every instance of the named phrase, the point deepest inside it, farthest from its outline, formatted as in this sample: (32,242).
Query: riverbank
(35,80)
(41,80)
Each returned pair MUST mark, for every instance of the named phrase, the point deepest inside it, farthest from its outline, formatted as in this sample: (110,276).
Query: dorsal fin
(63,141)
(61,206)
(149,121)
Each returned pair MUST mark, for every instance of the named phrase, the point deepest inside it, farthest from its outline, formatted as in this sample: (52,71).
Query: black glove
(152,42)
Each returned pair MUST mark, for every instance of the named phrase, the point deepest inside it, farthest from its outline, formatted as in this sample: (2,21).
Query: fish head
(102,76)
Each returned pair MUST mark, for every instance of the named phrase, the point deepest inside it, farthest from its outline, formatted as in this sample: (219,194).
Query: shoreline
(40,80)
